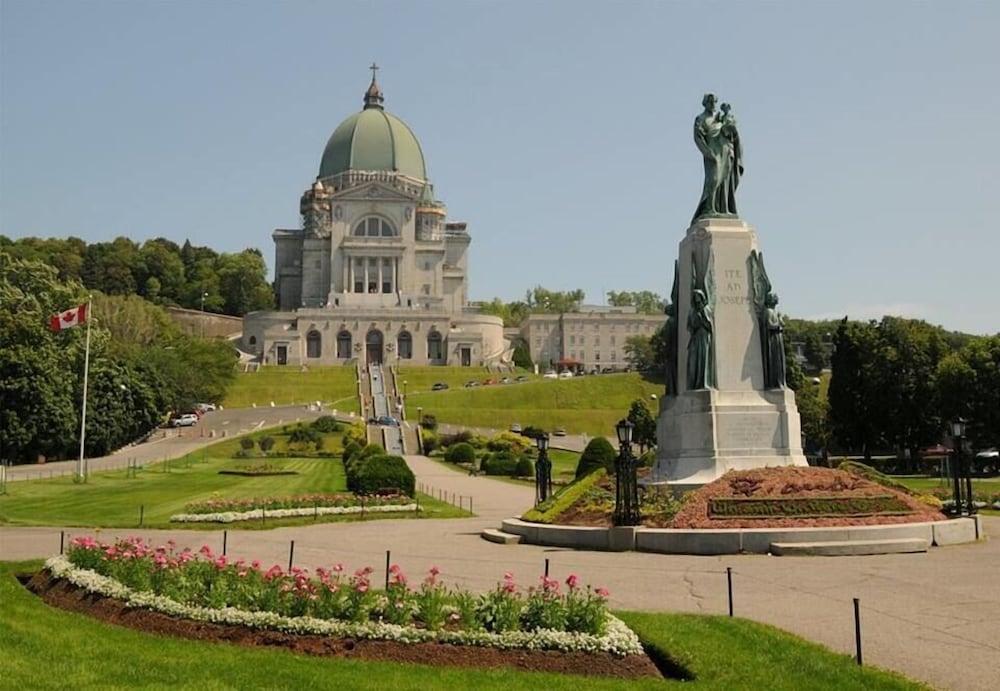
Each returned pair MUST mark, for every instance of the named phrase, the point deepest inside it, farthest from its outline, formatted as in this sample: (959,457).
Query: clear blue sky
(561,131)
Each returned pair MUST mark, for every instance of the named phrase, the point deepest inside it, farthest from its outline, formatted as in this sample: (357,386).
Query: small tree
(598,454)
(644,433)
(266,443)
(246,443)
(460,453)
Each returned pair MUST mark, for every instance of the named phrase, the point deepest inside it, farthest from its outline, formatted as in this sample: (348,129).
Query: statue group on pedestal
(718,140)
(701,327)
(772,336)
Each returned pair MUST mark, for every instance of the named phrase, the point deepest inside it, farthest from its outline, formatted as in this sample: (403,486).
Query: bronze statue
(772,337)
(670,334)
(718,140)
(701,345)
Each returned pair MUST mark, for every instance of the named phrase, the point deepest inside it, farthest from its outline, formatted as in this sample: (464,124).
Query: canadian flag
(69,318)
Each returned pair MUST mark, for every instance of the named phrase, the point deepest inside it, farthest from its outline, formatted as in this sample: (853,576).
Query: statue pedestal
(703,433)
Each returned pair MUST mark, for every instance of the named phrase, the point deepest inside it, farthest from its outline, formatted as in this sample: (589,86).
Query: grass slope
(112,500)
(421,379)
(45,648)
(590,405)
(287,385)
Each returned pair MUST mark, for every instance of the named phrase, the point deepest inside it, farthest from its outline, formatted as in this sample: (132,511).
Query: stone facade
(594,337)
(375,272)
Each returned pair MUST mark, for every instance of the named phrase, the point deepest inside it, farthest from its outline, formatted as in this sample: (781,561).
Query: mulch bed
(795,482)
(63,595)
(262,473)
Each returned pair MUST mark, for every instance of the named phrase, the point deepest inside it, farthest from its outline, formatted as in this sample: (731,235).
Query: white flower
(618,638)
(256,514)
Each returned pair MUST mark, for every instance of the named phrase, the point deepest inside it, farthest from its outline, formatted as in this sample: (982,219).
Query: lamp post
(626,482)
(543,470)
(203,296)
(420,414)
(404,388)
(957,432)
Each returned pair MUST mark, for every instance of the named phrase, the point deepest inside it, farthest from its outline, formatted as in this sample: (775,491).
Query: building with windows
(591,339)
(376,272)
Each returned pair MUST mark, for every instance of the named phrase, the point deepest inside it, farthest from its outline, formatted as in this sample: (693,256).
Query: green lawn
(563,464)
(590,405)
(926,484)
(287,385)
(46,648)
(111,499)
(421,379)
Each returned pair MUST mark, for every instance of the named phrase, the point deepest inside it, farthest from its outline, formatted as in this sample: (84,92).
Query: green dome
(373,140)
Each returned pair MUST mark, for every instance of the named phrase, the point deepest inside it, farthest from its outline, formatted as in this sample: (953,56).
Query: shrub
(429,421)
(326,424)
(356,459)
(350,449)
(647,459)
(499,464)
(356,433)
(524,467)
(460,453)
(378,473)
(509,442)
(266,443)
(430,440)
(246,443)
(464,436)
(532,432)
(869,473)
(305,435)
(598,454)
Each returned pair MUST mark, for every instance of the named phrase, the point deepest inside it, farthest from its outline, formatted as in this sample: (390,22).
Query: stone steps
(850,547)
(500,537)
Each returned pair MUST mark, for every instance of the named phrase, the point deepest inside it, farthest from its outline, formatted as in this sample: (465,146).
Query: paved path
(934,616)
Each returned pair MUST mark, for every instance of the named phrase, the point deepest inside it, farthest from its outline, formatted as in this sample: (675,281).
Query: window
(614,356)
(314,344)
(386,275)
(344,345)
(372,275)
(359,275)
(435,351)
(427,289)
(374,227)
(404,345)
(597,356)
(253,340)
(572,340)
(612,340)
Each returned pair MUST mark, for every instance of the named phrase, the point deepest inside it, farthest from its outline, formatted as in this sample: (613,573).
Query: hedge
(499,464)
(375,474)
(598,454)
(460,453)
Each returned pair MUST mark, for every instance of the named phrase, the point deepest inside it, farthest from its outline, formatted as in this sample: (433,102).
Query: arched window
(344,345)
(253,340)
(404,345)
(314,344)
(374,227)
(435,350)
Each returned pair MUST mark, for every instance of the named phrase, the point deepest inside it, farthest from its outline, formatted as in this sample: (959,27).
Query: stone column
(364,288)
(395,274)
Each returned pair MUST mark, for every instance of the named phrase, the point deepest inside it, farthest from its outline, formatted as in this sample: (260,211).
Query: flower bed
(230,510)
(209,588)
(264,514)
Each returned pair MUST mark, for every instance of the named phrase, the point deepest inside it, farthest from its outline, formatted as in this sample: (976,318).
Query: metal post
(387,553)
(62,540)
(857,630)
(142,509)
(225,539)
(546,567)
(955,472)
(291,554)
(81,469)
(970,500)
(729,580)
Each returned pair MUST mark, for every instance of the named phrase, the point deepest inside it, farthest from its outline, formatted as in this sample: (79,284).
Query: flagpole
(80,468)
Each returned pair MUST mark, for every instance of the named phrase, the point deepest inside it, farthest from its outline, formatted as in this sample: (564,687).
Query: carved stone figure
(717,138)
(772,337)
(701,349)
(670,334)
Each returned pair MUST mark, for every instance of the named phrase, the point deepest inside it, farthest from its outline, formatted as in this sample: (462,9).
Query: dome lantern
(374,97)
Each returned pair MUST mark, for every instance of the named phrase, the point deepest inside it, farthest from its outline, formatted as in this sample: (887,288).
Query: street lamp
(404,388)
(957,433)
(203,296)
(543,470)
(626,482)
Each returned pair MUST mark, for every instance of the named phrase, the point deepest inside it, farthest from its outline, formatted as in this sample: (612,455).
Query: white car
(566,375)
(205,407)
(550,375)
(184,420)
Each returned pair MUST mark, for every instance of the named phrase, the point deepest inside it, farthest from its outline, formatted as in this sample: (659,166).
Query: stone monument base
(705,433)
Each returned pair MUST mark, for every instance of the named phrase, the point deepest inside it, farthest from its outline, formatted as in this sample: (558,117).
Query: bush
(524,467)
(364,453)
(429,440)
(429,422)
(532,432)
(647,459)
(356,433)
(513,444)
(460,453)
(500,464)
(266,443)
(382,472)
(246,443)
(464,436)
(350,449)
(305,435)
(869,473)
(326,424)
(598,454)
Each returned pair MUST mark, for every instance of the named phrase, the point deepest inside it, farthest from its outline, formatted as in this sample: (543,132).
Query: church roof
(373,140)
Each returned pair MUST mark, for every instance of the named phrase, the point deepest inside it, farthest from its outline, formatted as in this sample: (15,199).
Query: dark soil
(261,473)
(62,594)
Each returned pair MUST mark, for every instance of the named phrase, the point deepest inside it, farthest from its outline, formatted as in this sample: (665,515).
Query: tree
(522,355)
(640,353)
(644,301)
(857,413)
(969,386)
(243,283)
(816,352)
(644,433)
(540,299)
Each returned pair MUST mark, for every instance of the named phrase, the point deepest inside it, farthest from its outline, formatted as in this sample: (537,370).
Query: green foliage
(550,509)
(305,435)
(598,454)
(429,422)
(462,437)
(522,355)
(460,453)
(351,449)
(969,386)
(645,301)
(524,467)
(246,443)
(869,473)
(639,353)
(644,433)
(266,443)
(158,270)
(326,424)
(379,473)
(500,464)
(430,440)
(509,442)
(357,434)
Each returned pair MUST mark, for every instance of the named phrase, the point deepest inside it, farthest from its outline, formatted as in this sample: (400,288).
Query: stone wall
(198,323)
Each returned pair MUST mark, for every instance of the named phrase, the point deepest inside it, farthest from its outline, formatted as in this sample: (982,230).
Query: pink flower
(435,571)
(550,585)
(338,568)
(206,550)
(572,581)
(603,592)
(362,587)
(255,564)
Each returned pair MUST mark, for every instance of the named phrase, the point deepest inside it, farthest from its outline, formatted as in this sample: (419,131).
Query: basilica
(376,272)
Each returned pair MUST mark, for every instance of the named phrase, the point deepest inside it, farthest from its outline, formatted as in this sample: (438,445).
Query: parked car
(471,383)
(516,428)
(559,432)
(506,380)
(550,375)
(204,407)
(439,386)
(522,377)
(387,421)
(566,375)
(186,420)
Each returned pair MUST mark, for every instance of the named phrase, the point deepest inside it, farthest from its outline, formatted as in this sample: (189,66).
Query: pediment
(373,191)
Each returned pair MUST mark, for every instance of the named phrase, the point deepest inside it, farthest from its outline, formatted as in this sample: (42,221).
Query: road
(933,616)
(391,437)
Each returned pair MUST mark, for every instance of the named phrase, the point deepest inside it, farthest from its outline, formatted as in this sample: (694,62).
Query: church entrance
(373,347)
